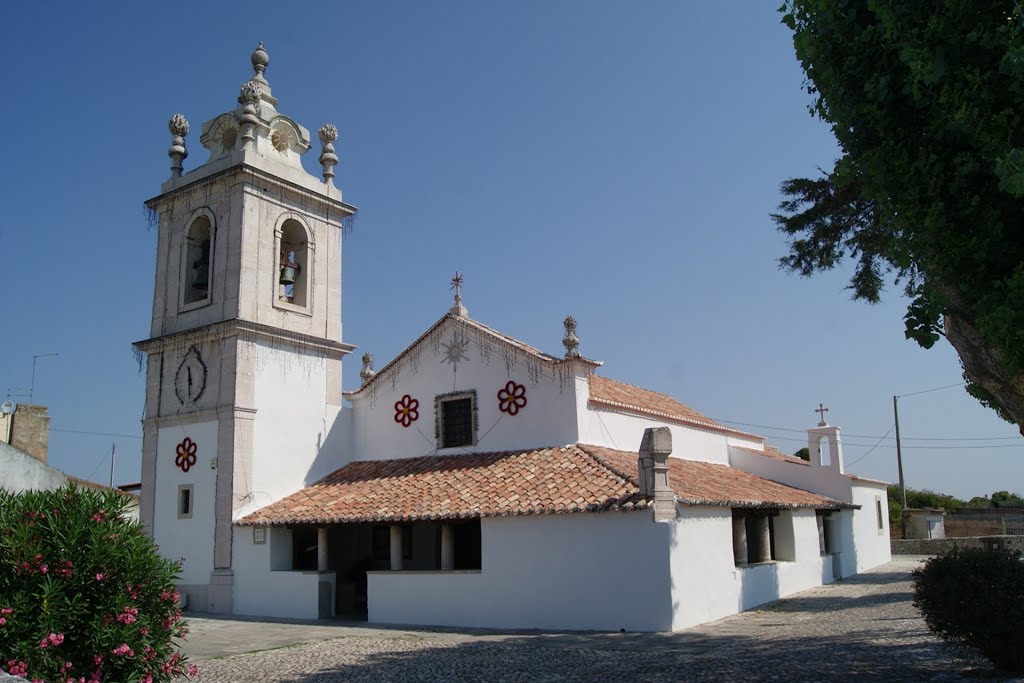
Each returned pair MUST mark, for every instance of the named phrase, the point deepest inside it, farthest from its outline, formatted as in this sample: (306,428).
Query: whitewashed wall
(706,583)
(548,419)
(292,444)
(605,427)
(191,539)
(826,481)
(19,472)
(871,546)
(605,571)
(263,584)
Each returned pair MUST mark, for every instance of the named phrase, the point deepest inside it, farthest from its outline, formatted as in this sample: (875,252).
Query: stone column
(764,539)
(739,539)
(447,548)
(396,548)
(321,549)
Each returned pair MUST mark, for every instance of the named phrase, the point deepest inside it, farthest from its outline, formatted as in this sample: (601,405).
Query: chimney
(30,430)
(655,448)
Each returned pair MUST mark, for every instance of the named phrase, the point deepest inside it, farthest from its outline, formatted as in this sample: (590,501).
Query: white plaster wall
(604,427)
(602,571)
(191,539)
(19,472)
(706,584)
(871,547)
(291,448)
(261,591)
(825,481)
(548,419)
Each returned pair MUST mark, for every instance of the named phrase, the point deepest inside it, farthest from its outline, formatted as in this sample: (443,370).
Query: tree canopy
(926,102)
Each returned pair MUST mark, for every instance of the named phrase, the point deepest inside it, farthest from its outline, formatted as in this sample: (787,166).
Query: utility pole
(899,461)
(113,455)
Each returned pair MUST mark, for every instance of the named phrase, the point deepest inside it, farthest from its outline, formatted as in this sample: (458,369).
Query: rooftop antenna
(36,357)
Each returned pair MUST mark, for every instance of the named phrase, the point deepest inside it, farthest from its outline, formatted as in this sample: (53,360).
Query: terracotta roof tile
(575,478)
(704,483)
(610,392)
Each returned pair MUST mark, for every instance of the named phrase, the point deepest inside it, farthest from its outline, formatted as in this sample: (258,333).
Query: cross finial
(458,309)
(821,410)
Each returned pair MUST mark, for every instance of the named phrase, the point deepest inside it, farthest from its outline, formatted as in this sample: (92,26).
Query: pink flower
(146,679)
(6,610)
(97,659)
(65,667)
(123,649)
(3,620)
(99,576)
(54,639)
(193,670)
(144,630)
(42,568)
(16,668)
(128,616)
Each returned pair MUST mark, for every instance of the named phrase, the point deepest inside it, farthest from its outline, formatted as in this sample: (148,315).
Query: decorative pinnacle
(260,60)
(458,309)
(571,342)
(367,372)
(328,159)
(178,126)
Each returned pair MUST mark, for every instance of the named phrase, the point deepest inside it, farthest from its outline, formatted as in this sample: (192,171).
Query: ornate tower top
(458,308)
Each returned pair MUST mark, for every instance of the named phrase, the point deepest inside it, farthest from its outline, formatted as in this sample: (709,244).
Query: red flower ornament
(407,410)
(512,398)
(186,454)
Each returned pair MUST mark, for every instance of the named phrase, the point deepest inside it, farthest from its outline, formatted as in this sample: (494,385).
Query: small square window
(456,420)
(185,501)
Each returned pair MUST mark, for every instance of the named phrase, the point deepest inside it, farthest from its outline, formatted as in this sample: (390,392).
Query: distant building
(473,480)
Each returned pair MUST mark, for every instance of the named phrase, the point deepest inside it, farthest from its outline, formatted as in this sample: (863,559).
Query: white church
(472,480)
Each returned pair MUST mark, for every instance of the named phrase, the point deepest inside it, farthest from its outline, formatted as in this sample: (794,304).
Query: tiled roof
(704,483)
(609,392)
(575,478)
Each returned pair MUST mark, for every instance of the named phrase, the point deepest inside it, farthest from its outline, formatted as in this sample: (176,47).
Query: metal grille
(457,422)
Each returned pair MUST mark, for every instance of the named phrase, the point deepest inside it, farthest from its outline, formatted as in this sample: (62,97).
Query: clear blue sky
(613,160)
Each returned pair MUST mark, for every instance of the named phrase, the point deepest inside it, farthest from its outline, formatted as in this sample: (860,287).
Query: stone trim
(238,327)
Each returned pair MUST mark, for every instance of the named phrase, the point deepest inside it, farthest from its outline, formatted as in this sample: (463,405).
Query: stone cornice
(239,165)
(244,328)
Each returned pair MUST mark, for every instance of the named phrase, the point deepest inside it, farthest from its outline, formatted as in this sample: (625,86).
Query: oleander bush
(84,595)
(975,599)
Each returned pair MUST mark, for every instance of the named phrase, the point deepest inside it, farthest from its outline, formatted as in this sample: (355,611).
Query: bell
(287,275)
(202,280)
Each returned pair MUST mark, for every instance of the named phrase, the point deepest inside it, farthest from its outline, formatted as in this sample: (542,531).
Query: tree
(803,454)
(920,499)
(926,102)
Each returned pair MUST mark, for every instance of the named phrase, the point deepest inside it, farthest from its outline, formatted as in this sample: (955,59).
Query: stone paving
(864,628)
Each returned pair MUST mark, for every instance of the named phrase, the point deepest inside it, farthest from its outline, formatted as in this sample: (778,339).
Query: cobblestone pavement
(864,628)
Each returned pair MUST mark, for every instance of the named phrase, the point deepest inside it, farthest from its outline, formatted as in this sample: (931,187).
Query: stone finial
(178,126)
(655,448)
(249,97)
(458,309)
(328,159)
(367,372)
(260,60)
(571,342)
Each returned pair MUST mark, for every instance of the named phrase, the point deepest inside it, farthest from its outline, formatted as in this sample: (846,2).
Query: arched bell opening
(196,266)
(293,274)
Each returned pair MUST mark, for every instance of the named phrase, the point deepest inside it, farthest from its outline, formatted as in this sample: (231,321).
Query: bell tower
(243,362)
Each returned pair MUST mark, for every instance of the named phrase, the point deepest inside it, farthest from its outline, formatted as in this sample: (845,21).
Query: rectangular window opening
(185,501)
(456,420)
(878,512)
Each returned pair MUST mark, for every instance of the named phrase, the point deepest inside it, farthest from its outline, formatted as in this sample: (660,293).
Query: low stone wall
(939,546)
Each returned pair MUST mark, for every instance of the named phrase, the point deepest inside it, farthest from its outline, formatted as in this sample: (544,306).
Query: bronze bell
(287,275)
(202,280)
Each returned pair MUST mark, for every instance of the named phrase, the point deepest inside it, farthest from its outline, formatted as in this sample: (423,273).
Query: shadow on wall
(329,449)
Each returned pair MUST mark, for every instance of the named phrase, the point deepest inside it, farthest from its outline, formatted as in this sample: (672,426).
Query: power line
(928,391)
(872,448)
(927,448)
(76,431)
(875,436)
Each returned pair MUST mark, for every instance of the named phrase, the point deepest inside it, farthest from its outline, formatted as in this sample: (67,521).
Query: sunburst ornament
(455,351)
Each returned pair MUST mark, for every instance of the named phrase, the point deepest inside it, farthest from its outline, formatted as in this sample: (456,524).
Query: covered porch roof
(563,479)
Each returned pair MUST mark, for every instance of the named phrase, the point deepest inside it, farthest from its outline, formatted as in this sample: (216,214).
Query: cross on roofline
(821,410)
(457,285)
